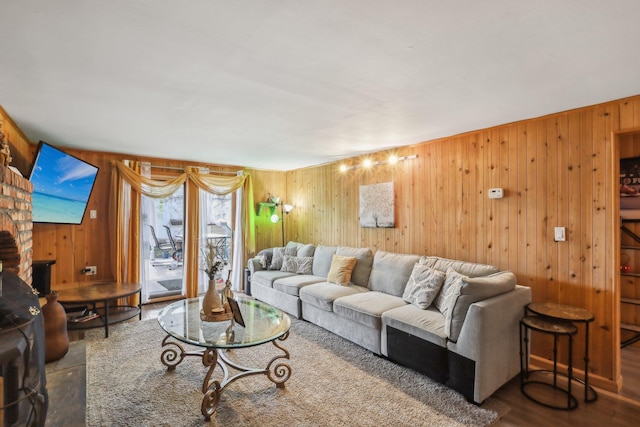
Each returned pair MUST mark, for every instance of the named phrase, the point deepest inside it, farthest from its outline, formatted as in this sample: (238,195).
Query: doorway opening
(627,150)
(216,230)
(162,222)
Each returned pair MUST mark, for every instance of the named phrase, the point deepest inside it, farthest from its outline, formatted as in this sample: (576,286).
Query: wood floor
(609,410)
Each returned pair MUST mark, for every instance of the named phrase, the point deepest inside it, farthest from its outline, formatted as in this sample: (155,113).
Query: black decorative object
(237,314)
(22,348)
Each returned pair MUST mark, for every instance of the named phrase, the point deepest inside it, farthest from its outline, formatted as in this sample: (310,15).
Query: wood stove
(23,398)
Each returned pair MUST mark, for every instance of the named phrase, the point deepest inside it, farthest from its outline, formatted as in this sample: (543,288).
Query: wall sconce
(368,163)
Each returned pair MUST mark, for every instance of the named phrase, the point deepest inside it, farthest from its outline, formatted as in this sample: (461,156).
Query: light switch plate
(559,234)
(93,214)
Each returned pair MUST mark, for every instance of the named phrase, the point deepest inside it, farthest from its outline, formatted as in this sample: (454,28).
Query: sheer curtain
(124,227)
(125,220)
(147,205)
(202,217)
(237,267)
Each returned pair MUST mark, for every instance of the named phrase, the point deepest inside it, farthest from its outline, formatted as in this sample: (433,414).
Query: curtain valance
(216,184)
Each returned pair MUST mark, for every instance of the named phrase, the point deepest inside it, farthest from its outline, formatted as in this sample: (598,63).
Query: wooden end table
(105,293)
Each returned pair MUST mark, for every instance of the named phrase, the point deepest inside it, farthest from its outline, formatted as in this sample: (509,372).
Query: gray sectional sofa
(463,333)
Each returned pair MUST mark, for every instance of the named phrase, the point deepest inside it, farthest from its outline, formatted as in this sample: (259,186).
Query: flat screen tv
(62,185)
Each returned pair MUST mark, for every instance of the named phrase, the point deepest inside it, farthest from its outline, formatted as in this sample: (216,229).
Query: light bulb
(275,218)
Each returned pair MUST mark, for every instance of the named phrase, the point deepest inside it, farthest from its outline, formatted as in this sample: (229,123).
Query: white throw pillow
(450,292)
(289,264)
(305,264)
(300,265)
(423,286)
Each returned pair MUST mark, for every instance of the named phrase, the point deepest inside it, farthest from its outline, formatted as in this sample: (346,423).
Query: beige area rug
(333,383)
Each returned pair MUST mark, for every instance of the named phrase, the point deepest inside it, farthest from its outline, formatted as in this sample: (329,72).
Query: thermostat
(496,193)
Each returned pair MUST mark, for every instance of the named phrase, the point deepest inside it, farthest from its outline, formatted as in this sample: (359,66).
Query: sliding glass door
(162,255)
(215,230)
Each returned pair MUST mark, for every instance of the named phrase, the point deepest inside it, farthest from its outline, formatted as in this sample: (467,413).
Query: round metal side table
(567,313)
(557,329)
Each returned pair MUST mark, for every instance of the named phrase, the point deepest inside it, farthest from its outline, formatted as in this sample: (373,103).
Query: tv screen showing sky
(62,185)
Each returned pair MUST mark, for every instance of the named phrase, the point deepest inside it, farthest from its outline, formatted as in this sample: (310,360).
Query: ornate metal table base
(277,371)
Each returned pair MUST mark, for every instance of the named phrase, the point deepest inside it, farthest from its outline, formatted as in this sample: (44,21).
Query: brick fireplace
(16,226)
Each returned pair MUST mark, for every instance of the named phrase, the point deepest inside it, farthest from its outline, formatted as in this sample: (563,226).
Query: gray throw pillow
(423,286)
(265,256)
(277,259)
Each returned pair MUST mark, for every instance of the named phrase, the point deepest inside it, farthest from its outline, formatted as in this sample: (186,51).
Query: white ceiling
(285,84)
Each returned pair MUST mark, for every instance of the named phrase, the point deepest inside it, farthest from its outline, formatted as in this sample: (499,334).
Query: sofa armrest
(254,264)
(490,336)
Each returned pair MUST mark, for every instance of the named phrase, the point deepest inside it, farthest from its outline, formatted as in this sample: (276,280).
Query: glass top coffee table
(263,324)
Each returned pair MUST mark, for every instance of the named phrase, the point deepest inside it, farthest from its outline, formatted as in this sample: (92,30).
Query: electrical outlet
(91,270)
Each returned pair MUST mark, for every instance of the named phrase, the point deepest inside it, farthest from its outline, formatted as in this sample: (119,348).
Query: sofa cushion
(423,286)
(267,277)
(367,307)
(306,250)
(291,285)
(475,289)
(470,269)
(322,258)
(364,261)
(292,244)
(390,272)
(322,295)
(341,268)
(426,324)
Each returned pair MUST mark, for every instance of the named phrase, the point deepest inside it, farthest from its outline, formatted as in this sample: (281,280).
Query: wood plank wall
(557,170)
(265,185)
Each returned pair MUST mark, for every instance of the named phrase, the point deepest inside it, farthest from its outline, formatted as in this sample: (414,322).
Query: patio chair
(162,246)
(175,244)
